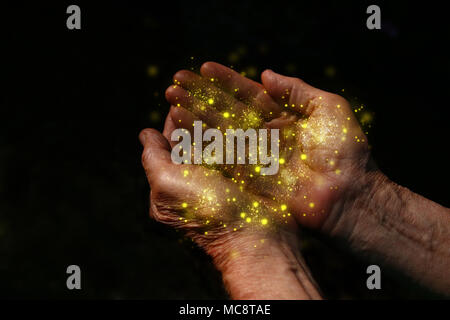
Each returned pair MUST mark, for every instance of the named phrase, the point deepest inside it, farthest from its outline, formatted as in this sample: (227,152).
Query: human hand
(258,260)
(323,150)
(325,180)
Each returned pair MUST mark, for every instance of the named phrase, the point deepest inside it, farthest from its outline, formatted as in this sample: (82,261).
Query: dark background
(72,190)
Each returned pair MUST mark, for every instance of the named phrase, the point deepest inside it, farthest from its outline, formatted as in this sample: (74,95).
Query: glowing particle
(185,173)
(338,106)
(206,233)
(264,221)
(184,205)
(178,105)
(344,130)
(248,220)
(226,114)
(152,71)
(257,169)
(234,229)
(303,156)
(338,171)
(281,161)
(255,204)
(311,204)
(283,207)
(210,100)
(243,215)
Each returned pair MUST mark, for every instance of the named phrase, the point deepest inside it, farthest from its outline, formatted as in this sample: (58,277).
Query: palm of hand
(322,148)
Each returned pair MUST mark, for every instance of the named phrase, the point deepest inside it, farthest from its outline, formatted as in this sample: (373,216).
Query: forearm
(391,225)
(269,267)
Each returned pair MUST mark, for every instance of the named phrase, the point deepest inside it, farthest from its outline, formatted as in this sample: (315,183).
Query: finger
(169,126)
(156,152)
(181,98)
(177,118)
(205,90)
(245,89)
(290,92)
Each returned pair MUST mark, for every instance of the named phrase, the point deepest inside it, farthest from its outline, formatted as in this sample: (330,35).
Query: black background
(72,190)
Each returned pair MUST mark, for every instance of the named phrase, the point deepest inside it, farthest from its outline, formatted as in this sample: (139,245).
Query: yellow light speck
(248,220)
(283,207)
(257,169)
(226,114)
(243,215)
(311,204)
(344,130)
(206,233)
(210,100)
(303,156)
(264,221)
(184,205)
(255,204)
(338,171)
(185,173)
(282,161)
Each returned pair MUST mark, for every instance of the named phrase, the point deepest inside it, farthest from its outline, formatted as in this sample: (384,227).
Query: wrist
(364,195)
(263,266)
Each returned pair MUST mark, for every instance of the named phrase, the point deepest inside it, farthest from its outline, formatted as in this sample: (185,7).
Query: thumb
(289,92)
(156,151)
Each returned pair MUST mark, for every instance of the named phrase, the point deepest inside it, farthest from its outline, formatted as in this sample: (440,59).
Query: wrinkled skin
(317,133)
(324,182)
